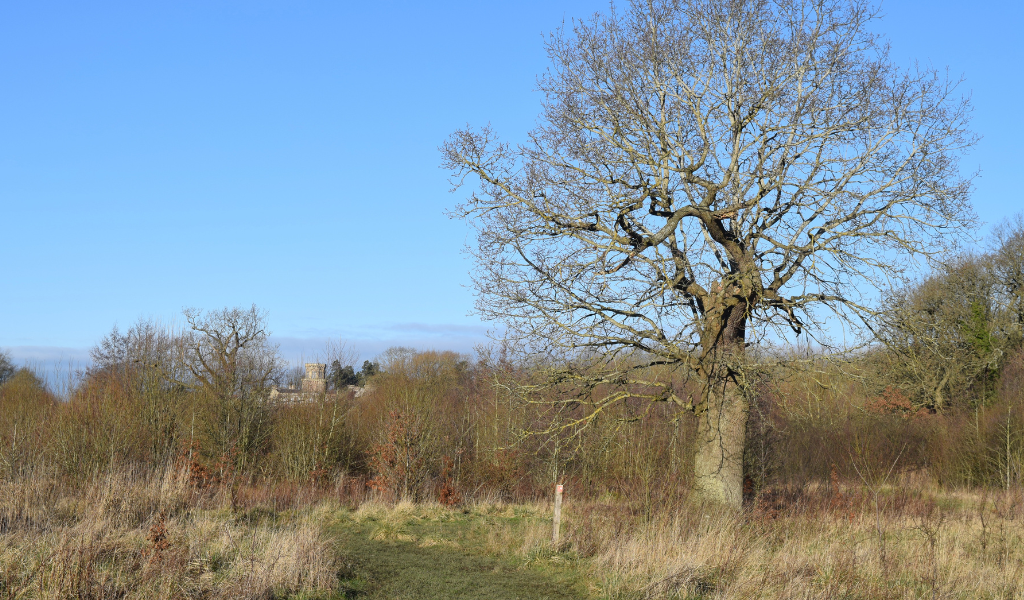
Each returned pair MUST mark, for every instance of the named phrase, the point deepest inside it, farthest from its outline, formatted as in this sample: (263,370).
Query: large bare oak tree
(705,173)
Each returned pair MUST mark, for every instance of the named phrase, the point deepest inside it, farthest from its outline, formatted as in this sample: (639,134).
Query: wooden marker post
(558,515)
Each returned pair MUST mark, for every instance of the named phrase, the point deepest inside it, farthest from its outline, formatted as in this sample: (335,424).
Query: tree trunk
(721,434)
(722,426)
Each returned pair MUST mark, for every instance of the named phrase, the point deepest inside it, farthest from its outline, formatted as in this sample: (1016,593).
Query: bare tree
(339,357)
(706,175)
(139,360)
(226,355)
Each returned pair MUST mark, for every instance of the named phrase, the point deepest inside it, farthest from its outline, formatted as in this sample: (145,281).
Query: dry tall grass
(154,536)
(142,535)
(817,543)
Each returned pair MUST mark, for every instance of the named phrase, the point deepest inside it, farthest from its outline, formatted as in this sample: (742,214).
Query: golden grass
(154,537)
(957,545)
(102,540)
(819,543)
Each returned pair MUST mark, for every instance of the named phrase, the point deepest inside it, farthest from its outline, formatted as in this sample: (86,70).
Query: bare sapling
(875,484)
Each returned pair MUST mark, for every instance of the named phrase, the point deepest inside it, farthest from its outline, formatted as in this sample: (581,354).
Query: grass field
(953,545)
(133,536)
(422,552)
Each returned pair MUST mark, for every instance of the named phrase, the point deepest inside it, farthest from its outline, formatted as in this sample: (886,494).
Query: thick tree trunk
(722,426)
(721,434)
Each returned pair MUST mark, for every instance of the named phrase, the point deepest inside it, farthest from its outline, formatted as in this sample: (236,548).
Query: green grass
(445,554)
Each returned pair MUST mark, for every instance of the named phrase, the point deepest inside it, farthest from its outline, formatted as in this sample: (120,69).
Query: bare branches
(695,158)
(227,352)
(706,175)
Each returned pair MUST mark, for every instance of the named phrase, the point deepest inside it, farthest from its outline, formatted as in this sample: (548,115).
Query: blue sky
(157,155)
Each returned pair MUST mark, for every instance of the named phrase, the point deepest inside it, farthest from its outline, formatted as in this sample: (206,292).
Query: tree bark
(721,433)
(722,426)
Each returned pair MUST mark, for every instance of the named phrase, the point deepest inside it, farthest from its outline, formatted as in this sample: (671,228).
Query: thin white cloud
(443,329)
(59,366)
(367,343)
(29,355)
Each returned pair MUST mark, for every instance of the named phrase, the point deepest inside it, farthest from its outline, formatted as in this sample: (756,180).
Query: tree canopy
(705,175)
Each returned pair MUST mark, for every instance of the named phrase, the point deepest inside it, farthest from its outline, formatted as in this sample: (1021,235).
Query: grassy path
(417,557)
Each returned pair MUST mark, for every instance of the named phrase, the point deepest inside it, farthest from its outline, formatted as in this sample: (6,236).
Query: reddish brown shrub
(892,402)
(398,462)
(448,493)
(158,538)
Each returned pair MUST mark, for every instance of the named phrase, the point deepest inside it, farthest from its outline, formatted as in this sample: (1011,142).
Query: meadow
(434,483)
(125,535)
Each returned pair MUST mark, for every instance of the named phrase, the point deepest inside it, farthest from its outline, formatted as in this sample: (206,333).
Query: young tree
(705,174)
(136,363)
(25,407)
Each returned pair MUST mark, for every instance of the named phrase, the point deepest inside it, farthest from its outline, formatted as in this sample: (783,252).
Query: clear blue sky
(156,155)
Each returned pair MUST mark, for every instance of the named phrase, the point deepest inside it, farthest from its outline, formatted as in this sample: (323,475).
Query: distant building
(315,380)
(312,386)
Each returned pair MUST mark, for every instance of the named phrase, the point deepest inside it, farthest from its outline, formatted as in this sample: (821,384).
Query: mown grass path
(418,558)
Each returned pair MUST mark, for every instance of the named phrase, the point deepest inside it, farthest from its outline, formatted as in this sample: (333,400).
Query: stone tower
(315,380)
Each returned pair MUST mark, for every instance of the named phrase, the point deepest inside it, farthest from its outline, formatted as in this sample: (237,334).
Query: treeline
(941,394)
(949,335)
(440,425)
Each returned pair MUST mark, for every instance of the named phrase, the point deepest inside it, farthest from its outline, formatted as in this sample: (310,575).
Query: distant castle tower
(315,380)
